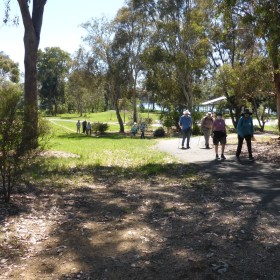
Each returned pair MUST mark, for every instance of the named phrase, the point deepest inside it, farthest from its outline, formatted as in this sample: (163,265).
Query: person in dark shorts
(219,135)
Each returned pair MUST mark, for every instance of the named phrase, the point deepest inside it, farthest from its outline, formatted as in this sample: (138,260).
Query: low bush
(100,127)
(159,132)
(10,138)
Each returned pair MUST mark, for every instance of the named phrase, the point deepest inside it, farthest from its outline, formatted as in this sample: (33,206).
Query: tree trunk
(186,86)
(55,107)
(277,88)
(134,105)
(30,126)
(116,103)
(119,117)
(32,30)
(274,55)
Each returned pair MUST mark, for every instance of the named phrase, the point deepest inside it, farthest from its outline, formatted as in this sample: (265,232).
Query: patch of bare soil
(168,226)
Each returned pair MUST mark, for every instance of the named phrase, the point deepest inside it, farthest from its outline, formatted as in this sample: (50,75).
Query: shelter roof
(213,101)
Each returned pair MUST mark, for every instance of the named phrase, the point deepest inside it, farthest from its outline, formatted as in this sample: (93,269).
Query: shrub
(99,127)
(13,159)
(10,138)
(170,118)
(159,132)
(168,123)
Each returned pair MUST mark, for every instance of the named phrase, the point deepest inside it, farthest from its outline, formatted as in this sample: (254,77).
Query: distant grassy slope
(108,116)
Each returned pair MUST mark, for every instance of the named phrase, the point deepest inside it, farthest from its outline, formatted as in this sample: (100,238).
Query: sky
(60,25)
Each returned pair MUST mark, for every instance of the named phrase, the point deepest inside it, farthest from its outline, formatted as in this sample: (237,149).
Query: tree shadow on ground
(172,221)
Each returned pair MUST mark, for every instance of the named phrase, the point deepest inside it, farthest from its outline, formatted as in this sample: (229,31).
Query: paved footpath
(257,179)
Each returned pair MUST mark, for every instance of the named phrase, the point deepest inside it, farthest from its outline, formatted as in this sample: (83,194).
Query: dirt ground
(173,225)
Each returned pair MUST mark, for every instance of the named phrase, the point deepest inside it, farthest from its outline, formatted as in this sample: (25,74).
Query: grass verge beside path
(115,150)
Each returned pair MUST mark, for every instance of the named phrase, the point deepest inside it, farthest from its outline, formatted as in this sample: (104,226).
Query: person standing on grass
(206,128)
(245,130)
(78,124)
(84,124)
(88,128)
(220,135)
(142,128)
(134,129)
(185,123)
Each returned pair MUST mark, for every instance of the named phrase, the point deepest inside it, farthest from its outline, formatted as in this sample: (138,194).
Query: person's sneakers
(207,147)
(183,148)
(237,158)
(251,159)
(188,147)
(222,156)
(217,157)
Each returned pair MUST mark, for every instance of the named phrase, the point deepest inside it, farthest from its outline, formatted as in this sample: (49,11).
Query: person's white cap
(186,112)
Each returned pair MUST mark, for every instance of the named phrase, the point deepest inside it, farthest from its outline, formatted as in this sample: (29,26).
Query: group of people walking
(216,127)
(86,127)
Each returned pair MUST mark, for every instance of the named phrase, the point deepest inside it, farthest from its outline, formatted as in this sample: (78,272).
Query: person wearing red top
(220,135)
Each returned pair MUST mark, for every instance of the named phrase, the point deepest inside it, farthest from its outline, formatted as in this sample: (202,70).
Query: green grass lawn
(106,117)
(71,125)
(69,120)
(112,150)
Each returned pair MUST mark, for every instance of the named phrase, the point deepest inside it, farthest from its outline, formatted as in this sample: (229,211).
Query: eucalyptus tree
(77,95)
(131,37)
(32,22)
(53,67)
(265,16)
(261,21)
(179,38)
(9,70)
(84,88)
(108,64)
(246,85)
(233,47)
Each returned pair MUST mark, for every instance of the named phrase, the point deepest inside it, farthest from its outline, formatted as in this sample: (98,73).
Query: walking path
(257,179)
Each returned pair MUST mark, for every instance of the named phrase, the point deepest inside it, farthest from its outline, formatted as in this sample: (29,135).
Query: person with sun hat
(245,130)
(185,124)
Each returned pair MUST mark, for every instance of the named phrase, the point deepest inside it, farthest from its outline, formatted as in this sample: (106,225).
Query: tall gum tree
(179,35)
(130,39)
(32,22)
(264,16)
(233,47)
(108,63)
(32,30)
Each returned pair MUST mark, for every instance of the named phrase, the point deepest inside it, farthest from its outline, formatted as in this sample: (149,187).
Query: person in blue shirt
(245,130)
(185,124)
